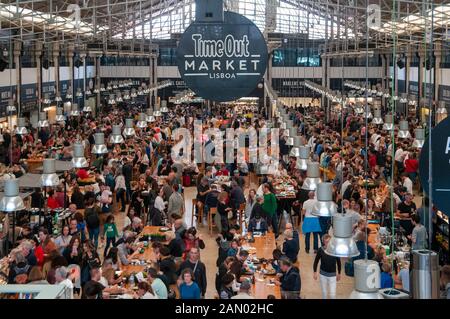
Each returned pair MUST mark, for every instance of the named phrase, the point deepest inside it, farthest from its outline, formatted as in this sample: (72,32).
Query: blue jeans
(325,223)
(315,238)
(93,236)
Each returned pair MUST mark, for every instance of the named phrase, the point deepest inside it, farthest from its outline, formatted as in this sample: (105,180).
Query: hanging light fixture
(388,122)
(412,100)
(111,100)
(342,243)
(295,151)
(88,91)
(150,118)
(11,108)
(75,111)
(403,98)
(99,146)
(60,118)
(118,97)
(302,161)
(78,159)
(102,88)
(157,113)
(142,122)
(419,140)
(46,99)
(140,92)
(312,176)
(133,93)
(58,97)
(43,122)
(404,130)
(69,93)
(126,96)
(115,87)
(21,128)
(324,205)
(109,87)
(367,280)
(11,200)
(116,135)
(359,109)
(79,94)
(164,109)
(368,115)
(129,131)
(386,94)
(87,109)
(49,177)
(377,119)
(290,141)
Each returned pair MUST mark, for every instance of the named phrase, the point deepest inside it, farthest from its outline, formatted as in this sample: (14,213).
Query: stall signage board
(440,148)
(222,61)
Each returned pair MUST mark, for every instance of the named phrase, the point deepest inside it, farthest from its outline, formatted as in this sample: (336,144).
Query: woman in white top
(120,189)
(63,240)
(159,202)
(251,200)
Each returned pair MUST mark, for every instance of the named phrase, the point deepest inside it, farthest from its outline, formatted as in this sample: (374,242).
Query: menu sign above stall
(440,163)
(222,61)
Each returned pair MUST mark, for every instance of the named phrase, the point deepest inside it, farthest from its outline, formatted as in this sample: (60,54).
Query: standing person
(290,246)
(61,277)
(175,202)
(290,281)
(311,224)
(127,171)
(63,240)
(328,274)
(223,209)
(121,190)
(110,231)
(419,234)
(198,269)
(270,208)
(187,286)
(92,218)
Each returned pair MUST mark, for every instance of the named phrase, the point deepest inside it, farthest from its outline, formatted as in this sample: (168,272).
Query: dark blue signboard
(413,88)
(444,93)
(440,148)
(222,61)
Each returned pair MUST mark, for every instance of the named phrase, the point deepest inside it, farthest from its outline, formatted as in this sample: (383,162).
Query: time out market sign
(222,61)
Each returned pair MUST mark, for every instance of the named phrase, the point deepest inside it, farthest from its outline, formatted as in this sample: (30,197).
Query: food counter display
(442,237)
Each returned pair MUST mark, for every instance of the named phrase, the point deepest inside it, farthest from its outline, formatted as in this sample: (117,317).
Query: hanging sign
(440,148)
(222,60)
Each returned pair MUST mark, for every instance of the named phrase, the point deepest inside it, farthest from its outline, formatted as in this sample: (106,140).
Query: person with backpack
(91,215)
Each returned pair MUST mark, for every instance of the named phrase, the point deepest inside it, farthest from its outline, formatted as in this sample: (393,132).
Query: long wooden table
(263,248)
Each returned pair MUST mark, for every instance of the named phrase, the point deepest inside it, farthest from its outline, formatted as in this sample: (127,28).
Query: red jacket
(411,165)
(39,253)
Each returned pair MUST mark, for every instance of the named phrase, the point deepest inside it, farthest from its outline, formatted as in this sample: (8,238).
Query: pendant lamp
(367,280)
(78,159)
(11,200)
(388,122)
(324,205)
(404,130)
(21,128)
(419,138)
(342,243)
(142,122)
(377,119)
(302,161)
(129,129)
(49,177)
(99,146)
(312,176)
(60,118)
(43,122)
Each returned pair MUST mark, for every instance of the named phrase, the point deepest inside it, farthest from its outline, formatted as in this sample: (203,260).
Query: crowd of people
(139,183)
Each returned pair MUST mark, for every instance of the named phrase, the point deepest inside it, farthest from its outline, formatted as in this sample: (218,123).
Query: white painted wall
(414,74)
(8,78)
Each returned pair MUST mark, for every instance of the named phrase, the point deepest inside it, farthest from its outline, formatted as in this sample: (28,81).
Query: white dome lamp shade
(290,141)
(388,122)
(342,243)
(69,93)
(116,135)
(111,100)
(43,122)
(11,200)
(157,113)
(403,98)
(404,130)
(324,206)
(99,147)
(60,118)
(302,161)
(377,119)
(21,128)
(164,109)
(126,95)
(359,109)
(58,97)
(49,177)
(419,140)
(75,111)
(78,159)
(312,176)
(295,151)
(367,280)
(142,122)
(368,115)
(11,108)
(129,131)
(150,118)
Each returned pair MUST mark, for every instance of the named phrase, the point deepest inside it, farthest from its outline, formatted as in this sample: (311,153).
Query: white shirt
(308,206)
(68,283)
(407,183)
(396,198)
(242,295)
(159,203)
(148,295)
(399,155)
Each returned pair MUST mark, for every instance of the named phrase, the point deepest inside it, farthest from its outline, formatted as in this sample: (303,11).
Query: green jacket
(110,230)
(270,204)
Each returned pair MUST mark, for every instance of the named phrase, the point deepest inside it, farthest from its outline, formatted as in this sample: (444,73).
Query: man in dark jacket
(290,281)
(127,170)
(257,224)
(237,196)
(197,267)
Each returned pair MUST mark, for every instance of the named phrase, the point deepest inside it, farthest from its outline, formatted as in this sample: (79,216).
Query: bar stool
(195,203)
(212,213)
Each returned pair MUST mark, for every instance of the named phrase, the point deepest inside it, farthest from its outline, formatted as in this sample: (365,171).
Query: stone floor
(310,287)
